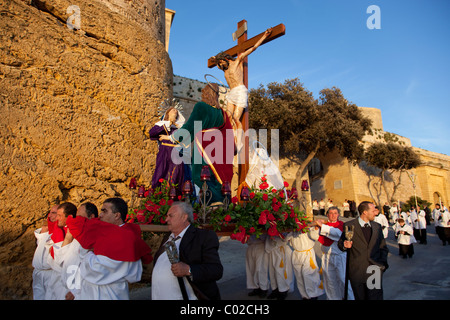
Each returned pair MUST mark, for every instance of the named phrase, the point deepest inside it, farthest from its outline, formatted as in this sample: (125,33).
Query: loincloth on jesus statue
(238,96)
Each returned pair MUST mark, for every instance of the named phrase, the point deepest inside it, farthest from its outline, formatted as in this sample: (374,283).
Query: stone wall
(77,98)
(189,92)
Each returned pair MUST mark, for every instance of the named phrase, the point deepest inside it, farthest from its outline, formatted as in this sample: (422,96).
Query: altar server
(42,270)
(333,259)
(257,266)
(304,263)
(280,267)
(405,239)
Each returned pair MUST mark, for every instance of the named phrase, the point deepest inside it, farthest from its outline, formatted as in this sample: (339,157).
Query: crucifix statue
(234,63)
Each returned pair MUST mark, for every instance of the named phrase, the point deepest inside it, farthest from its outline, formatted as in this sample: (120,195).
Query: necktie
(171,250)
(367,230)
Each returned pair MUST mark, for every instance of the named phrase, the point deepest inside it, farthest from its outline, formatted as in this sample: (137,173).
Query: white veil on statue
(261,164)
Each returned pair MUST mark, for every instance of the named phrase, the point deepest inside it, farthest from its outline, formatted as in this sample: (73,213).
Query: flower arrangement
(154,206)
(265,211)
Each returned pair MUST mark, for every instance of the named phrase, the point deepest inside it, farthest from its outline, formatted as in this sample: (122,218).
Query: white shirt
(165,285)
(362,222)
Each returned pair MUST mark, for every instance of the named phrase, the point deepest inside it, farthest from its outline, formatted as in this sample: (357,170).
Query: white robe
(421,221)
(304,263)
(257,263)
(57,291)
(280,264)
(69,258)
(333,266)
(103,278)
(381,219)
(406,239)
(42,270)
(444,218)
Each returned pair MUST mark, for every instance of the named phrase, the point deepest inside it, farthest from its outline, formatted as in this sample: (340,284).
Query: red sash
(327,241)
(106,239)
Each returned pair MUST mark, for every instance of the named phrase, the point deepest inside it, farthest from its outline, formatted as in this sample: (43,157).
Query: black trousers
(420,235)
(406,250)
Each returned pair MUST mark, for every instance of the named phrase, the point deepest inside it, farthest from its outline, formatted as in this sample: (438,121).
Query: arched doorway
(436,197)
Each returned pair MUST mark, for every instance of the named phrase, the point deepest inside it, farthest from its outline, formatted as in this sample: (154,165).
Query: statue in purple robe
(165,168)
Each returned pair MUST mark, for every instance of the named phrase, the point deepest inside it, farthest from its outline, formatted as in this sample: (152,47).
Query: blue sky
(403,69)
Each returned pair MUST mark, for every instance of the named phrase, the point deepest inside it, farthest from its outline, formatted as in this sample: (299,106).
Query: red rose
(234,200)
(262,218)
(264,186)
(273,230)
(265,197)
(286,184)
(251,230)
(170,202)
(162,202)
(301,224)
(270,217)
(140,216)
(292,215)
(161,180)
(264,179)
(227,218)
(252,195)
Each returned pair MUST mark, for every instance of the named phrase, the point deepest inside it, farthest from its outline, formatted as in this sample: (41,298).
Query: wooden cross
(243,45)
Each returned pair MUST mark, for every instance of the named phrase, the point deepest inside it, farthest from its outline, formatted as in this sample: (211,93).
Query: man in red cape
(42,270)
(112,252)
(333,259)
(115,242)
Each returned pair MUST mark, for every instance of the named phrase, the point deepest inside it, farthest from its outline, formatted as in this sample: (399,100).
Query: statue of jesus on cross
(233,68)
(236,74)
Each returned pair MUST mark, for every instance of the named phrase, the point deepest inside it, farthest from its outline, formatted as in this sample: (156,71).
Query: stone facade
(79,90)
(189,92)
(335,178)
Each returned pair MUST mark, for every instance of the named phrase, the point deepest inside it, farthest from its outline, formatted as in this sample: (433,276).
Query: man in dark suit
(367,254)
(199,265)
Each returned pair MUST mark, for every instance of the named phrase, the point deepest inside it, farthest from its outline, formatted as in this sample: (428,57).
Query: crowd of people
(85,254)
(276,264)
(348,207)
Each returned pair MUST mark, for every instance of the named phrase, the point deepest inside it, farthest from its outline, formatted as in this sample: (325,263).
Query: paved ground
(424,277)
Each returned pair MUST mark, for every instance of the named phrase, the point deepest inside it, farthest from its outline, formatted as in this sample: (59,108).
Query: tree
(391,157)
(411,203)
(308,126)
